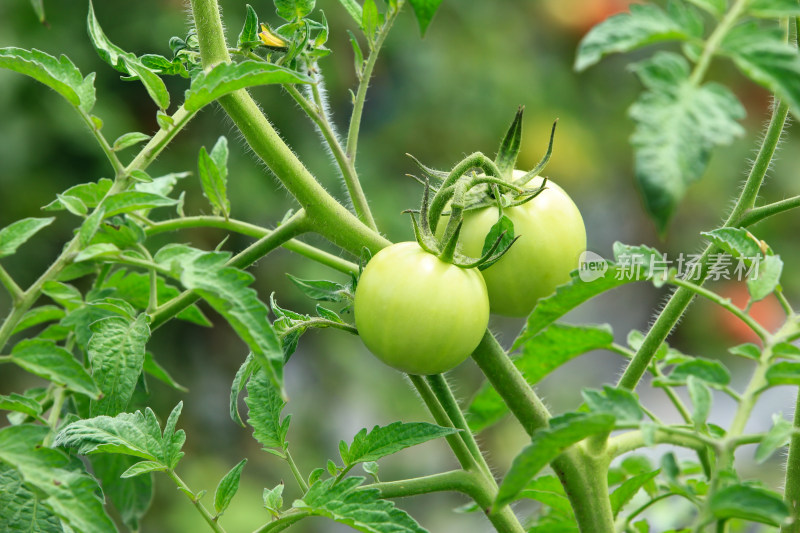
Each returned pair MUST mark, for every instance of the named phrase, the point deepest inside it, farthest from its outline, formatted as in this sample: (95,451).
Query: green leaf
(16,234)
(561,343)
(152,367)
(89,194)
(39,315)
(90,226)
(228,77)
(783,373)
(625,492)
(677,126)
(765,57)
(773,8)
(70,492)
(23,509)
(129,139)
(227,290)
(715,7)
(509,148)
(708,370)
(749,503)
(21,404)
(60,74)
(294,9)
(777,437)
(505,227)
(701,398)
(736,241)
(65,295)
(143,467)
(116,355)
(227,488)
(96,250)
(749,350)
(623,404)
(127,201)
(273,500)
(126,62)
(764,281)
(548,491)
(54,363)
(323,290)
(353,9)
(360,508)
(264,405)
(136,434)
(238,385)
(162,185)
(644,25)
(249,33)
(547,444)
(131,496)
(163,66)
(424,10)
(38,8)
(370,20)
(386,440)
(213,176)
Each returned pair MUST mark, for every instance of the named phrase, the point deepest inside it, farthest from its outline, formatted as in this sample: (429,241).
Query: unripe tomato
(417,313)
(551,239)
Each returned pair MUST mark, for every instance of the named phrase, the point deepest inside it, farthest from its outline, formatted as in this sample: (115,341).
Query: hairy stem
(757,214)
(207,516)
(296,472)
(792,480)
(11,286)
(715,39)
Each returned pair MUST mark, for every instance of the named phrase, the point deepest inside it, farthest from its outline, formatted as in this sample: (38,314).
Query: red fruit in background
(767,312)
(581,15)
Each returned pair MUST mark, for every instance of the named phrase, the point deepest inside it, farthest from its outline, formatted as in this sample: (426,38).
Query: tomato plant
(417,313)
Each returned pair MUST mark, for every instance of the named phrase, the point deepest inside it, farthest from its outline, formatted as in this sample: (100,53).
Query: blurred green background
(438,98)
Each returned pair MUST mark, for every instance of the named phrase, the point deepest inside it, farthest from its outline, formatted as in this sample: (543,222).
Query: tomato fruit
(551,239)
(417,313)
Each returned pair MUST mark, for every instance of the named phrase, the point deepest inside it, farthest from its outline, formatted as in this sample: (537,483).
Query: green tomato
(417,313)
(551,239)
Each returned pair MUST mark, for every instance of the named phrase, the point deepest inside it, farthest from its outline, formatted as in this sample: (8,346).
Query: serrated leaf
(353,9)
(90,226)
(129,139)
(708,370)
(162,185)
(765,57)
(505,227)
(265,405)
(547,444)
(89,194)
(273,499)
(644,25)
(143,467)
(65,295)
(161,65)
(136,434)
(228,77)
(239,382)
(561,343)
(131,495)
(715,7)
(15,235)
(322,290)
(71,493)
(126,62)
(777,437)
(22,509)
(625,492)
(773,8)
(249,33)
(127,201)
(39,315)
(227,488)
(749,503)
(360,508)
(387,440)
(60,74)
(623,404)
(96,250)
(424,10)
(116,355)
(54,363)
(20,404)
(370,20)
(227,290)
(213,172)
(677,126)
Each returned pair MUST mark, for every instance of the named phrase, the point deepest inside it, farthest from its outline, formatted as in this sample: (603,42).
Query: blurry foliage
(438,98)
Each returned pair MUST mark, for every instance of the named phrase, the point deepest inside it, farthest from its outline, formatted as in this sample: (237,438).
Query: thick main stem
(792,483)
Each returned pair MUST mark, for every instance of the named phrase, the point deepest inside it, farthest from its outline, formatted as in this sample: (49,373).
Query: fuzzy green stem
(633,440)
(682,297)
(160,140)
(111,155)
(55,414)
(443,391)
(757,214)
(715,39)
(331,219)
(296,472)
(8,282)
(792,481)
(207,516)
(296,225)
(251,230)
